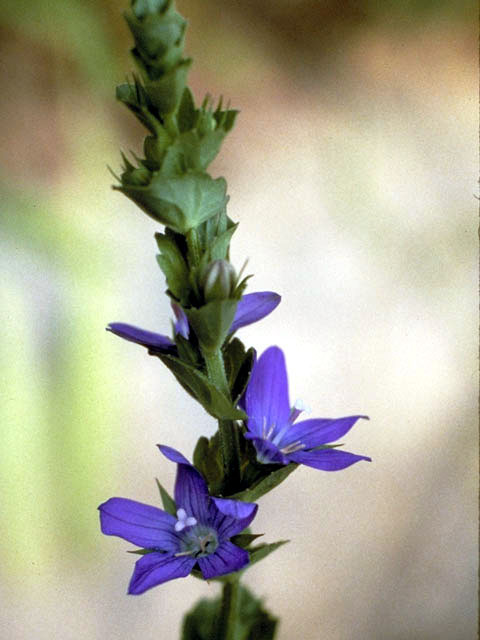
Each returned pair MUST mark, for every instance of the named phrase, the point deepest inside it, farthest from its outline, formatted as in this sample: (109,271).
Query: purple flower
(251,308)
(271,422)
(199,535)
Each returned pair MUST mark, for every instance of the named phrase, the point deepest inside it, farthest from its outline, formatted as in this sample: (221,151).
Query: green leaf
(200,388)
(167,501)
(182,156)
(190,152)
(209,146)
(174,267)
(218,249)
(135,98)
(199,624)
(159,38)
(210,230)
(212,321)
(166,91)
(207,458)
(234,355)
(243,376)
(154,150)
(187,352)
(142,552)
(265,484)
(254,622)
(197,145)
(141,8)
(263,550)
(180,203)
(200,453)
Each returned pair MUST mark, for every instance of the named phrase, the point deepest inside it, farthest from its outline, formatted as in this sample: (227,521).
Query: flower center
(198,541)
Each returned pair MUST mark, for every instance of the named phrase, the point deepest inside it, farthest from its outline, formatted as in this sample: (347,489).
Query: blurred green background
(352,170)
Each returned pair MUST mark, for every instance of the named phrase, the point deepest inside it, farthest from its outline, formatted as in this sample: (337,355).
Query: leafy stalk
(228,620)
(229,441)
(171,185)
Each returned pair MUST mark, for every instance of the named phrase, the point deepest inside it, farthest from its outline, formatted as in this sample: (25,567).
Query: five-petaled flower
(251,308)
(271,422)
(199,535)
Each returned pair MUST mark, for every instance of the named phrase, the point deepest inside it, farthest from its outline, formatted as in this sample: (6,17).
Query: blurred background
(353,172)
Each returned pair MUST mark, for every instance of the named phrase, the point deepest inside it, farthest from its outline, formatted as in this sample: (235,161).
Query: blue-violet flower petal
(199,535)
(271,422)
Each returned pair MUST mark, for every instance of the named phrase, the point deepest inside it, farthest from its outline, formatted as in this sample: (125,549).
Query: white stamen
(269,432)
(300,405)
(292,447)
(184,520)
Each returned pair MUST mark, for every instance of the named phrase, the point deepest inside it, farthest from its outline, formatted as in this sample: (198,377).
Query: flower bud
(136,176)
(206,122)
(218,281)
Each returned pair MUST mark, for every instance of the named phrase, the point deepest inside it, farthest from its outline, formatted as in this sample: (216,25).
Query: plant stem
(229,612)
(227,428)
(170,124)
(216,370)
(193,247)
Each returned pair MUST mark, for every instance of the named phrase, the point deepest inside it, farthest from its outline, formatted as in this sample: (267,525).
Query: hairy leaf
(199,387)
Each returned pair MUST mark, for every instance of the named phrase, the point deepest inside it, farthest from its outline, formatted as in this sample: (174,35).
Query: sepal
(244,540)
(263,550)
(186,113)
(167,501)
(142,552)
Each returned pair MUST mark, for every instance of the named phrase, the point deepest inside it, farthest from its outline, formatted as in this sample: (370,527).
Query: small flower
(251,308)
(271,422)
(199,535)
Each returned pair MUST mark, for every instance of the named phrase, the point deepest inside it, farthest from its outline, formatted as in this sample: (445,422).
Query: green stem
(170,124)
(227,624)
(227,428)
(193,245)
(216,370)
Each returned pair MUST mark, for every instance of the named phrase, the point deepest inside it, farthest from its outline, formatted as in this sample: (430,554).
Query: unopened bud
(219,281)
